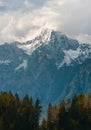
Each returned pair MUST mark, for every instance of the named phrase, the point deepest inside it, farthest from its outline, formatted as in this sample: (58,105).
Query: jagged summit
(44,35)
(51,38)
(46,31)
(49,32)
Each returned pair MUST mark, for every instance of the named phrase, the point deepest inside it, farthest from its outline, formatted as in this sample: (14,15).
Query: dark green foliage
(23,114)
(52,117)
(69,115)
(43,125)
(17,114)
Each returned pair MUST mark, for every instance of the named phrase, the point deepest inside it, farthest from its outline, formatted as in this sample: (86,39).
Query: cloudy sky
(21,20)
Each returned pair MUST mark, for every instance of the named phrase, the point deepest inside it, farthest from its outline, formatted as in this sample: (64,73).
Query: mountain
(50,67)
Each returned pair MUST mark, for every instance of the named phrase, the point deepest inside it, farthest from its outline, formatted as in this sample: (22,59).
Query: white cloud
(3,3)
(72,17)
(21,26)
(84,38)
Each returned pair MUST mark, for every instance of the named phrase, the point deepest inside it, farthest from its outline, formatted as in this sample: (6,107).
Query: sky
(22,20)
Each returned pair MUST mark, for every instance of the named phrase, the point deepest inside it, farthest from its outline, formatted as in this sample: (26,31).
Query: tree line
(18,114)
(24,114)
(69,115)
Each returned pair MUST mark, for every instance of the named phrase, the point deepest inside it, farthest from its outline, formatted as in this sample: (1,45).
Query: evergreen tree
(62,116)
(43,125)
(37,111)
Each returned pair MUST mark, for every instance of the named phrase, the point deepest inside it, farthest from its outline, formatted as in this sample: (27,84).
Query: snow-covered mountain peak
(51,38)
(46,31)
(49,34)
(59,38)
(43,38)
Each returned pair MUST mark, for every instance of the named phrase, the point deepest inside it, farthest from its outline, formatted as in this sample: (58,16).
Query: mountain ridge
(48,67)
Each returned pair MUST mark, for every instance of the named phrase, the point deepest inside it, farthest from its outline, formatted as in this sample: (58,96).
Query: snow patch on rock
(69,56)
(22,65)
(6,62)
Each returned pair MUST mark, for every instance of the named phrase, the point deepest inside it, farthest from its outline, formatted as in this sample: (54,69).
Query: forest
(25,114)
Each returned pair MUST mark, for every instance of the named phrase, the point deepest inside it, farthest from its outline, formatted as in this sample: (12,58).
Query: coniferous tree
(62,116)
(43,125)
(52,117)
(37,111)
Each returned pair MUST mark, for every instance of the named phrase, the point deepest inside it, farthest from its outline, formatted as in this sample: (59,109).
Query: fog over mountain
(21,20)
